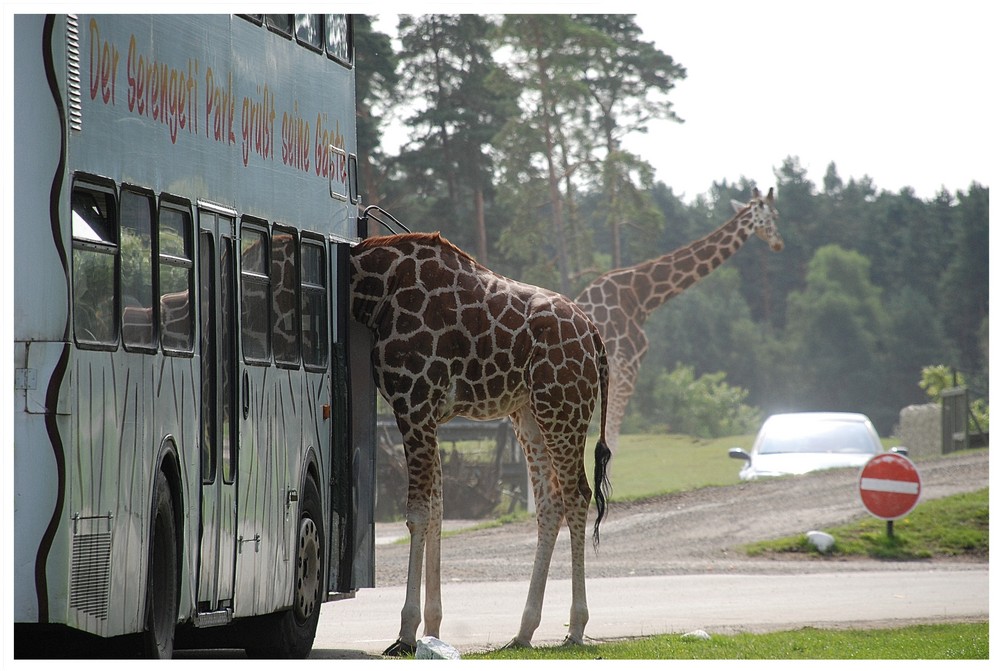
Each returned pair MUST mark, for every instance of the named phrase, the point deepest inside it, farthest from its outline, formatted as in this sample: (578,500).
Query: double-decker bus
(194,415)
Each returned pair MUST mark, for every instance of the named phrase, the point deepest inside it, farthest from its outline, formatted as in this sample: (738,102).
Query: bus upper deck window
(95,261)
(309,30)
(281,23)
(339,38)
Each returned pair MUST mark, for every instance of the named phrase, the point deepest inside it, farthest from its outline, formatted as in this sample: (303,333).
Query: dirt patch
(691,532)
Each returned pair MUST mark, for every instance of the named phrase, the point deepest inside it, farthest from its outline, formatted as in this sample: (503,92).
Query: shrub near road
(956,527)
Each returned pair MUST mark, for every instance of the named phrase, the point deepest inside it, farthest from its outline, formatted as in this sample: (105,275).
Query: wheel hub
(307,578)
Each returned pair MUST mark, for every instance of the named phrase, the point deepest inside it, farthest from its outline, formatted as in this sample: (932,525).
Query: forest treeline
(514,127)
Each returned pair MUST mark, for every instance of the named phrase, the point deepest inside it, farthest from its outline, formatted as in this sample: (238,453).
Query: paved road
(486,615)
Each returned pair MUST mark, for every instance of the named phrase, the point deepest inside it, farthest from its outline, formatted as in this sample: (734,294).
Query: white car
(802,442)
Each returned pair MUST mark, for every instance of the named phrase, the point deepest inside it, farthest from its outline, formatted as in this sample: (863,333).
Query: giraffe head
(763,217)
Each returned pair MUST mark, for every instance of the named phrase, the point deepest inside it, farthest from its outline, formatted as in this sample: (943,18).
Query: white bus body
(194,414)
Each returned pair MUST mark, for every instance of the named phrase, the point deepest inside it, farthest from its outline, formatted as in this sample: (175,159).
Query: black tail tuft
(602,485)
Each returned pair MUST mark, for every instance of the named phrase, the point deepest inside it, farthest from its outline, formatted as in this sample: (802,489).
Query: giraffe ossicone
(620,301)
(452,338)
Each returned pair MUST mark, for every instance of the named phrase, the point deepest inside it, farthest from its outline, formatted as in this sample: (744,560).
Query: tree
(627,81)
(459,102)
(546,65)
(376,90)
(834,331)
(964,282)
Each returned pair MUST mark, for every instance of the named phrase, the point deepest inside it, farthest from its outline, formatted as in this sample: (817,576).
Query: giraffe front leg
(409,617)
(421,461)
(432,599)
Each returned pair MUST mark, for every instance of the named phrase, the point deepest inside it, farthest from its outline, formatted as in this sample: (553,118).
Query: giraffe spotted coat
(454,339)
(620,301)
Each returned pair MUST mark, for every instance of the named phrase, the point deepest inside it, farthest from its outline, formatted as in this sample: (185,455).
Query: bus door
(219,435)
(354,438)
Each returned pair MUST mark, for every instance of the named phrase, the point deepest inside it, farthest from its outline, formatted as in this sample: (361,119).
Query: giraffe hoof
(400,649)
(569,640)
(514,644)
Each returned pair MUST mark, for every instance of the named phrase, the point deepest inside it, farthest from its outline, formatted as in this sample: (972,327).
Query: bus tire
(161,578)
(290,633)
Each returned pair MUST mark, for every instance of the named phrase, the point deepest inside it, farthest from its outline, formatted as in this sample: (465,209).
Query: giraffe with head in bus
(621,300)
(454,339)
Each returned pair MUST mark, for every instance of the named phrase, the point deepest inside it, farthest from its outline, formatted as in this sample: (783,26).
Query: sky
(901,92)
(904,93)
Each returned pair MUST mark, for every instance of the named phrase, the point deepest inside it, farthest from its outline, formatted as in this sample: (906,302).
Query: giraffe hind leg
(548,515)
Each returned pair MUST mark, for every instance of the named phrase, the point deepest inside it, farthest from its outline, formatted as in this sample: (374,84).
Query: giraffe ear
(737,205)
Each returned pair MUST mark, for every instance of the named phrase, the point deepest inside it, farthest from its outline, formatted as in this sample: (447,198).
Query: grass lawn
(929,642)
(953,527)
(650,464)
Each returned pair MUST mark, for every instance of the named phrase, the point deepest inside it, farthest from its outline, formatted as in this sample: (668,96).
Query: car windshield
(816,437)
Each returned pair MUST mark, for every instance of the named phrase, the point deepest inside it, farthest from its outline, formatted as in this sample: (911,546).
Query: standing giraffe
(621,300)
(454,339)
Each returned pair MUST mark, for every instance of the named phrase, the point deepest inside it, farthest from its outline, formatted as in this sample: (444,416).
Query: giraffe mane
(430,239)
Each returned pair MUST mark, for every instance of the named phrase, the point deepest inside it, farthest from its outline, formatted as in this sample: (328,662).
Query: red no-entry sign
(890,486)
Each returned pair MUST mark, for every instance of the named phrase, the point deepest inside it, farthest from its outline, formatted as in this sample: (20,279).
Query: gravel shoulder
(687,532)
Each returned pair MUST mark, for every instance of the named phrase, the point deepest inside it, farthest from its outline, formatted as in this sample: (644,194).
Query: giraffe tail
(602,453)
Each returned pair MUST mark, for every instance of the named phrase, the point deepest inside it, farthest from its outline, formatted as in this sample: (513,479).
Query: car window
(817,437)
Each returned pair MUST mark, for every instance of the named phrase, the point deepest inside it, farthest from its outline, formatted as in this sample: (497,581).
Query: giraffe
(454,339)
(621,300)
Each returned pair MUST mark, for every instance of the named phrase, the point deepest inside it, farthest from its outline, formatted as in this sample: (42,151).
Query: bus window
(313,297)
(309,30)
(339,38)
(137,270)
(95,257)
(279,23)
(255,295)
(285,284)
(176,270)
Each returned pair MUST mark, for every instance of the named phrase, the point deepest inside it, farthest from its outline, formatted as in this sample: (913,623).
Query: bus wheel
(290,633)
(161,579)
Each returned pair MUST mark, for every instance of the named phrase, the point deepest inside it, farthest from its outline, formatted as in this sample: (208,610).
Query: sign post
(890,487)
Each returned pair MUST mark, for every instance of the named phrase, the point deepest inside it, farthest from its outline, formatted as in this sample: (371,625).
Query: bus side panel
(41,287)
(283,421)
(40,453)
(40,319)
(128,410)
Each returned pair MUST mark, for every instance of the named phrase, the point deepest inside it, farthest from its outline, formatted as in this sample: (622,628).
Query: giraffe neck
(672,273)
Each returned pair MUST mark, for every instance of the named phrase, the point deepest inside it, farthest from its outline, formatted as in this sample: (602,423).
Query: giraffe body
(455,339)
(620,301)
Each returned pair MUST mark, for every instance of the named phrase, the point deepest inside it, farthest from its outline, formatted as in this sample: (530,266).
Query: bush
(706,407)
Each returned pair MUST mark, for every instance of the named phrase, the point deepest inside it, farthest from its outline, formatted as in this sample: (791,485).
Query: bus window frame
(154,258)
(316,241)
(317,48)
(295,362)
(349,62)
(183,206)
(255,225)
(109,188)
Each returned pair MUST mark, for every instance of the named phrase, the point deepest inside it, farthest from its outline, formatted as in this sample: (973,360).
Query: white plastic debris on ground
(821,541)
(697,635)
(429,647)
